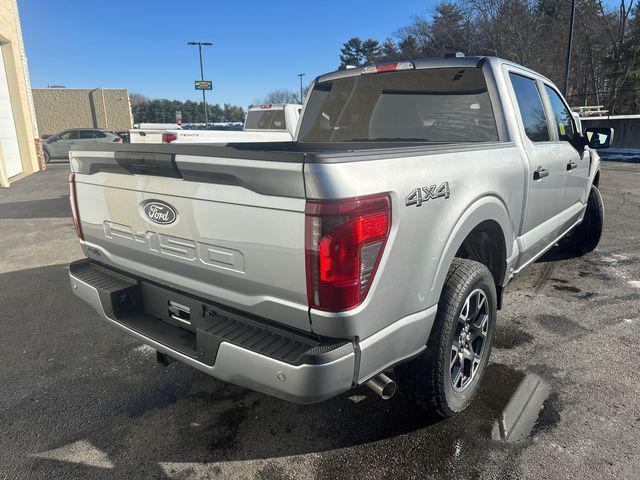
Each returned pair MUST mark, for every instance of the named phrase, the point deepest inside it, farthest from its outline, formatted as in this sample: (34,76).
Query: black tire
(586,236)
(427,379)
(47,157)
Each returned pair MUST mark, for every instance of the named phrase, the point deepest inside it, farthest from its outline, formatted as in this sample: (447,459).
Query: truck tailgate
(230,230)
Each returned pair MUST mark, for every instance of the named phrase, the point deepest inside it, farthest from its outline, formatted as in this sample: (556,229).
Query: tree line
(605,57)
(147,110)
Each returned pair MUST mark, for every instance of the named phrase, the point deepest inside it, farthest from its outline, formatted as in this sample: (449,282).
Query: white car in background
(264,123)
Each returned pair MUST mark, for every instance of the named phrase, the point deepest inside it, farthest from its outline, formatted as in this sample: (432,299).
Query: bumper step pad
(123,296)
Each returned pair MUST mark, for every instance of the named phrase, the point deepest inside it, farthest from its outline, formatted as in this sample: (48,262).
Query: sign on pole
(204,85)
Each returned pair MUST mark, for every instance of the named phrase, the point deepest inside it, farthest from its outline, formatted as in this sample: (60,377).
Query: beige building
(58,109)
(18,129)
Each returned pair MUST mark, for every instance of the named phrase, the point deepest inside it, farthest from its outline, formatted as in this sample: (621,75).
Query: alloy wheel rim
(469,340)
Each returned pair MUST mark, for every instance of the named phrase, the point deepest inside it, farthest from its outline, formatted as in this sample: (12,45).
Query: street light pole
(566,75)
(301,94)
(204,97)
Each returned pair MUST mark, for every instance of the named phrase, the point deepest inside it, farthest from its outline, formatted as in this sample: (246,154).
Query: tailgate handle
(142,163)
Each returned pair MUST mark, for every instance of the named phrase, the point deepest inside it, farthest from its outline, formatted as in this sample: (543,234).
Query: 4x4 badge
(420,195)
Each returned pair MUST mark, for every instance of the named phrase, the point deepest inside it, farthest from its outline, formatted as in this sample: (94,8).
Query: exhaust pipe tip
(382,385)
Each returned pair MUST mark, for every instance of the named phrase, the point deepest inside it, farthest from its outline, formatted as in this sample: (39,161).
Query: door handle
(540,173)
(571,166)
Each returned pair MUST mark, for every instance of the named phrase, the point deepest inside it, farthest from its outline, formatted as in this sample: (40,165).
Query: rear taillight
(344,243)
(73,199)
(117,140)
(169,137)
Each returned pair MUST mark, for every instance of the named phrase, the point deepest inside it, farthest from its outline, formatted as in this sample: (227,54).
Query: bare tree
(605,59)
(281,96)
(137,99)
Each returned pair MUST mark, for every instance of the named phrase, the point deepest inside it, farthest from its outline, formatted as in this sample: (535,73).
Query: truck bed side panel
(404,283)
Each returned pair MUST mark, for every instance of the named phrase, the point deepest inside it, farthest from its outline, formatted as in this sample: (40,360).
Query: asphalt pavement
(79,399)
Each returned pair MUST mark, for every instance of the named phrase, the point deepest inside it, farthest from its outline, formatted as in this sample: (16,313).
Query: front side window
(562,116)
(70,135)
(427,105)
(531,108)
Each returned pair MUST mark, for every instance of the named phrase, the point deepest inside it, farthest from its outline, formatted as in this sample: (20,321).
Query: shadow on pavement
(57,207)
(555,254)
(103,388)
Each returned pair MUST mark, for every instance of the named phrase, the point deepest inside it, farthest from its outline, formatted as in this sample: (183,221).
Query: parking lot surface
(81,400)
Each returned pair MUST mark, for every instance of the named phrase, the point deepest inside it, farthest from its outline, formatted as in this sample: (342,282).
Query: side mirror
(599,137)
(52,139)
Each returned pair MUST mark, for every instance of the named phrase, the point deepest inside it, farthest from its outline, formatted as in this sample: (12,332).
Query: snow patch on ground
(144,351)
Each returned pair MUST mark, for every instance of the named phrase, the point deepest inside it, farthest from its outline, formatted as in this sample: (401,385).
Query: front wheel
(446,376)
(47,157)
(586,236)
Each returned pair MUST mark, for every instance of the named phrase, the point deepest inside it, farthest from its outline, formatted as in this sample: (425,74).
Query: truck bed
(295,152)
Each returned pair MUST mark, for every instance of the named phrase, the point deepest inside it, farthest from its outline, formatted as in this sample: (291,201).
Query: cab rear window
(265,120)
(430,105)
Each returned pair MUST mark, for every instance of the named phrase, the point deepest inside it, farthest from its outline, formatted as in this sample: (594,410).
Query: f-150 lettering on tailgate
(179,248)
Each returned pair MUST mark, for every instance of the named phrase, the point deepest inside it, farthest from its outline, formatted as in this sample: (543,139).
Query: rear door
(64,143)
(547,166)
(85,137)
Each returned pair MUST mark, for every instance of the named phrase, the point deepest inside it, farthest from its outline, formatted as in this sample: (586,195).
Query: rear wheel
(446,376)
(586,236)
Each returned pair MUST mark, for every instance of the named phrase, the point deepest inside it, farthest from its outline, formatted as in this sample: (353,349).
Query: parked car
(383,236)
(264,123)
(58,145)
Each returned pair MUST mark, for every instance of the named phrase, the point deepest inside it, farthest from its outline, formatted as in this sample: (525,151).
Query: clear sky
(259,46)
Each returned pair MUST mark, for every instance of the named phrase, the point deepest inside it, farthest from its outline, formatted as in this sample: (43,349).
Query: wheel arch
(483,232)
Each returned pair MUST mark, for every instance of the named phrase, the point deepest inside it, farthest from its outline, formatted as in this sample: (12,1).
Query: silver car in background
(59,145)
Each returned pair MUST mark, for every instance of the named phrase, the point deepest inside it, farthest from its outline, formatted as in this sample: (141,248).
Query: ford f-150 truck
(264,123)
(381,238)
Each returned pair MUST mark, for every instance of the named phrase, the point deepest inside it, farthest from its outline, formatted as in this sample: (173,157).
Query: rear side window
(98,134)
(562,116)
(265,120)
(531,108)
(86,134)
(427,105)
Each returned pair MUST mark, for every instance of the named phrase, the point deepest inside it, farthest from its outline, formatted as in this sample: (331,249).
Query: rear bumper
(283,363)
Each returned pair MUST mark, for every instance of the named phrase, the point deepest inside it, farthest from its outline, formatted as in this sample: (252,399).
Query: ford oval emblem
(160,212)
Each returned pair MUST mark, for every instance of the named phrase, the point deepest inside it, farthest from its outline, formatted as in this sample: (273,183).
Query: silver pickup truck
(382,237)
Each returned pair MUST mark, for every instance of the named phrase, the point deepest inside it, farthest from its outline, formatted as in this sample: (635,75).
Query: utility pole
(204,97)
(301,94)
(566,75)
